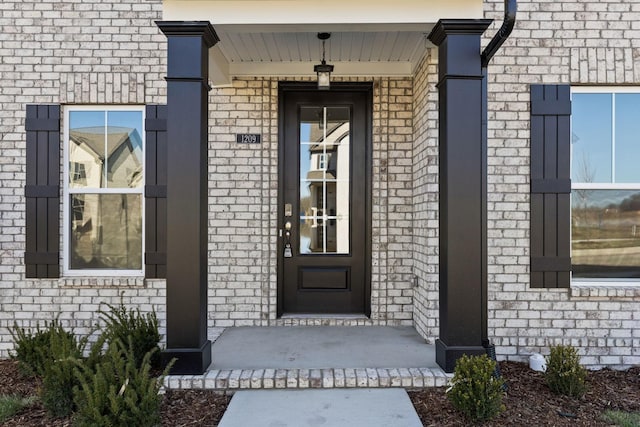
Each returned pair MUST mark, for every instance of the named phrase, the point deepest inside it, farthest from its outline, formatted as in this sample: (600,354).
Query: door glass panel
(324,180)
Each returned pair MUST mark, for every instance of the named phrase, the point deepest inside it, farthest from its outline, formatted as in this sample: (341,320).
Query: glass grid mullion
(324,180)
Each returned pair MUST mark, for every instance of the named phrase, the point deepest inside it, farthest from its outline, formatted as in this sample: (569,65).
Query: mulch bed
(529,402)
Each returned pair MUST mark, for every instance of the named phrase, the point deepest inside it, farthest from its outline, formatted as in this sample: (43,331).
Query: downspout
(510,8)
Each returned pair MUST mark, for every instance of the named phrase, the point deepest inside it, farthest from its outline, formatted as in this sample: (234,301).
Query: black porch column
(463,241)
(187,106)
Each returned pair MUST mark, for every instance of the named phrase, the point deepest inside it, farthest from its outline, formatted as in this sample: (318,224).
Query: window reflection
(109,156)
(106,231)
(605,233)
(324,180)
(591,129)
(104,187)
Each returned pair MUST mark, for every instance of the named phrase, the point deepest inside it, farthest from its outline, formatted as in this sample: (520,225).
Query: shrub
(32,348)
(11,405)
(59,374)
(119,392)
(475,390)
(621,418)
(143,330)
(564,373)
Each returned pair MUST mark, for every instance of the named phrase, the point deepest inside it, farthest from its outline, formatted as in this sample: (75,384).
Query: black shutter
(42,192)
(155,192)
(550,186)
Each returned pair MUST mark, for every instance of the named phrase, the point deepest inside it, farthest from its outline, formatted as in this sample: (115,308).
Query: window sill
(102,282)
(603,289)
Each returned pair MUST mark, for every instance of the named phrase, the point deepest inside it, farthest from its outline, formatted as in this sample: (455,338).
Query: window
(605,189)
(103,190)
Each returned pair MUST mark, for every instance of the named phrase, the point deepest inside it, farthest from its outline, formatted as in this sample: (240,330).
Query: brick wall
(425,196)
(80,52)
(243,204)
(575,42)
(74,52)
(68,52)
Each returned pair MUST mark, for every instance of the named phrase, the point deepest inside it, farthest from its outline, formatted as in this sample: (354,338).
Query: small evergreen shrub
(118,392)
(474,390)
(621,418)
(59,374)
(32,348)
(143,330)
(564,373)
(11,405)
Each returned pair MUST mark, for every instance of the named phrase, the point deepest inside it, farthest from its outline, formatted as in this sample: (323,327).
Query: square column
(463,190)
(187,232)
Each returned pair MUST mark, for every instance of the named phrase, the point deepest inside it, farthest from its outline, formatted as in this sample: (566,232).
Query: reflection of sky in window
(305,161)
(627,137)
(591,130)
(592,133)
(124,119)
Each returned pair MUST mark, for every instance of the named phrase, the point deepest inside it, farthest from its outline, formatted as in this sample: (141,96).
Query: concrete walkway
(314,408)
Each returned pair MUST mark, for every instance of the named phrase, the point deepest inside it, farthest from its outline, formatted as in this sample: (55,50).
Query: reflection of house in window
(328,184)
(78,173)
(119,155)
(100,160)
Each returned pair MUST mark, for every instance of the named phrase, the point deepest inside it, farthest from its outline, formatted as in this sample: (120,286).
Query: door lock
(288,252)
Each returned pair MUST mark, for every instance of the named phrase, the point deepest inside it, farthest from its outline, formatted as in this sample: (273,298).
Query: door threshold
(322,316)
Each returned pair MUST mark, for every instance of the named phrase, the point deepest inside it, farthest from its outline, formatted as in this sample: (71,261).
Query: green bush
(143,330)
(11,405)
(59,374)
(32,348)
(621,418)
(564,374)
(475,390)
(118,392)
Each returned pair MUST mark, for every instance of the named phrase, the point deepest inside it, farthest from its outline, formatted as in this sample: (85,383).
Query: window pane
(124,149)
(106,231)
(86,149)
(324,180)
(591,137)
(627,137)
(605,233)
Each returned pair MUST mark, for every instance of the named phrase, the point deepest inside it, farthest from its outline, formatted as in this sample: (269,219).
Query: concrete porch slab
(317,357)
(336,408)
(317,347)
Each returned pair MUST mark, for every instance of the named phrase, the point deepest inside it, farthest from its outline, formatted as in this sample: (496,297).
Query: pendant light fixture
(323,70)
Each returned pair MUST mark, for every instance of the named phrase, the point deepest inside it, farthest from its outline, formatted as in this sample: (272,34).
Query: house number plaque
(248,138)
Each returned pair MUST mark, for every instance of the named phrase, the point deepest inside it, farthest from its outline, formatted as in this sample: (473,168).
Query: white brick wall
(243,204)
(68,52)
(80,52)
(113,53)
(425,196)
(575,42)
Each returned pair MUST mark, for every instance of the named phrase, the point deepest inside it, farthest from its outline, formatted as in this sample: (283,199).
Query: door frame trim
(285,87)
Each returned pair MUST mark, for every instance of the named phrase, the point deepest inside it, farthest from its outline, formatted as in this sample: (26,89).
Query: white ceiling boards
(278,37)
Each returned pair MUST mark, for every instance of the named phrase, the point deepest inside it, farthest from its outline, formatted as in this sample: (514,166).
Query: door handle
(288,252)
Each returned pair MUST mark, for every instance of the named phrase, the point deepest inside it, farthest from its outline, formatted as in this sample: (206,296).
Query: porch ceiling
(279,37)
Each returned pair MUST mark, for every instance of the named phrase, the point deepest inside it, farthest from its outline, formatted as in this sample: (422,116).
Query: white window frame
(591,282)
(66,244)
